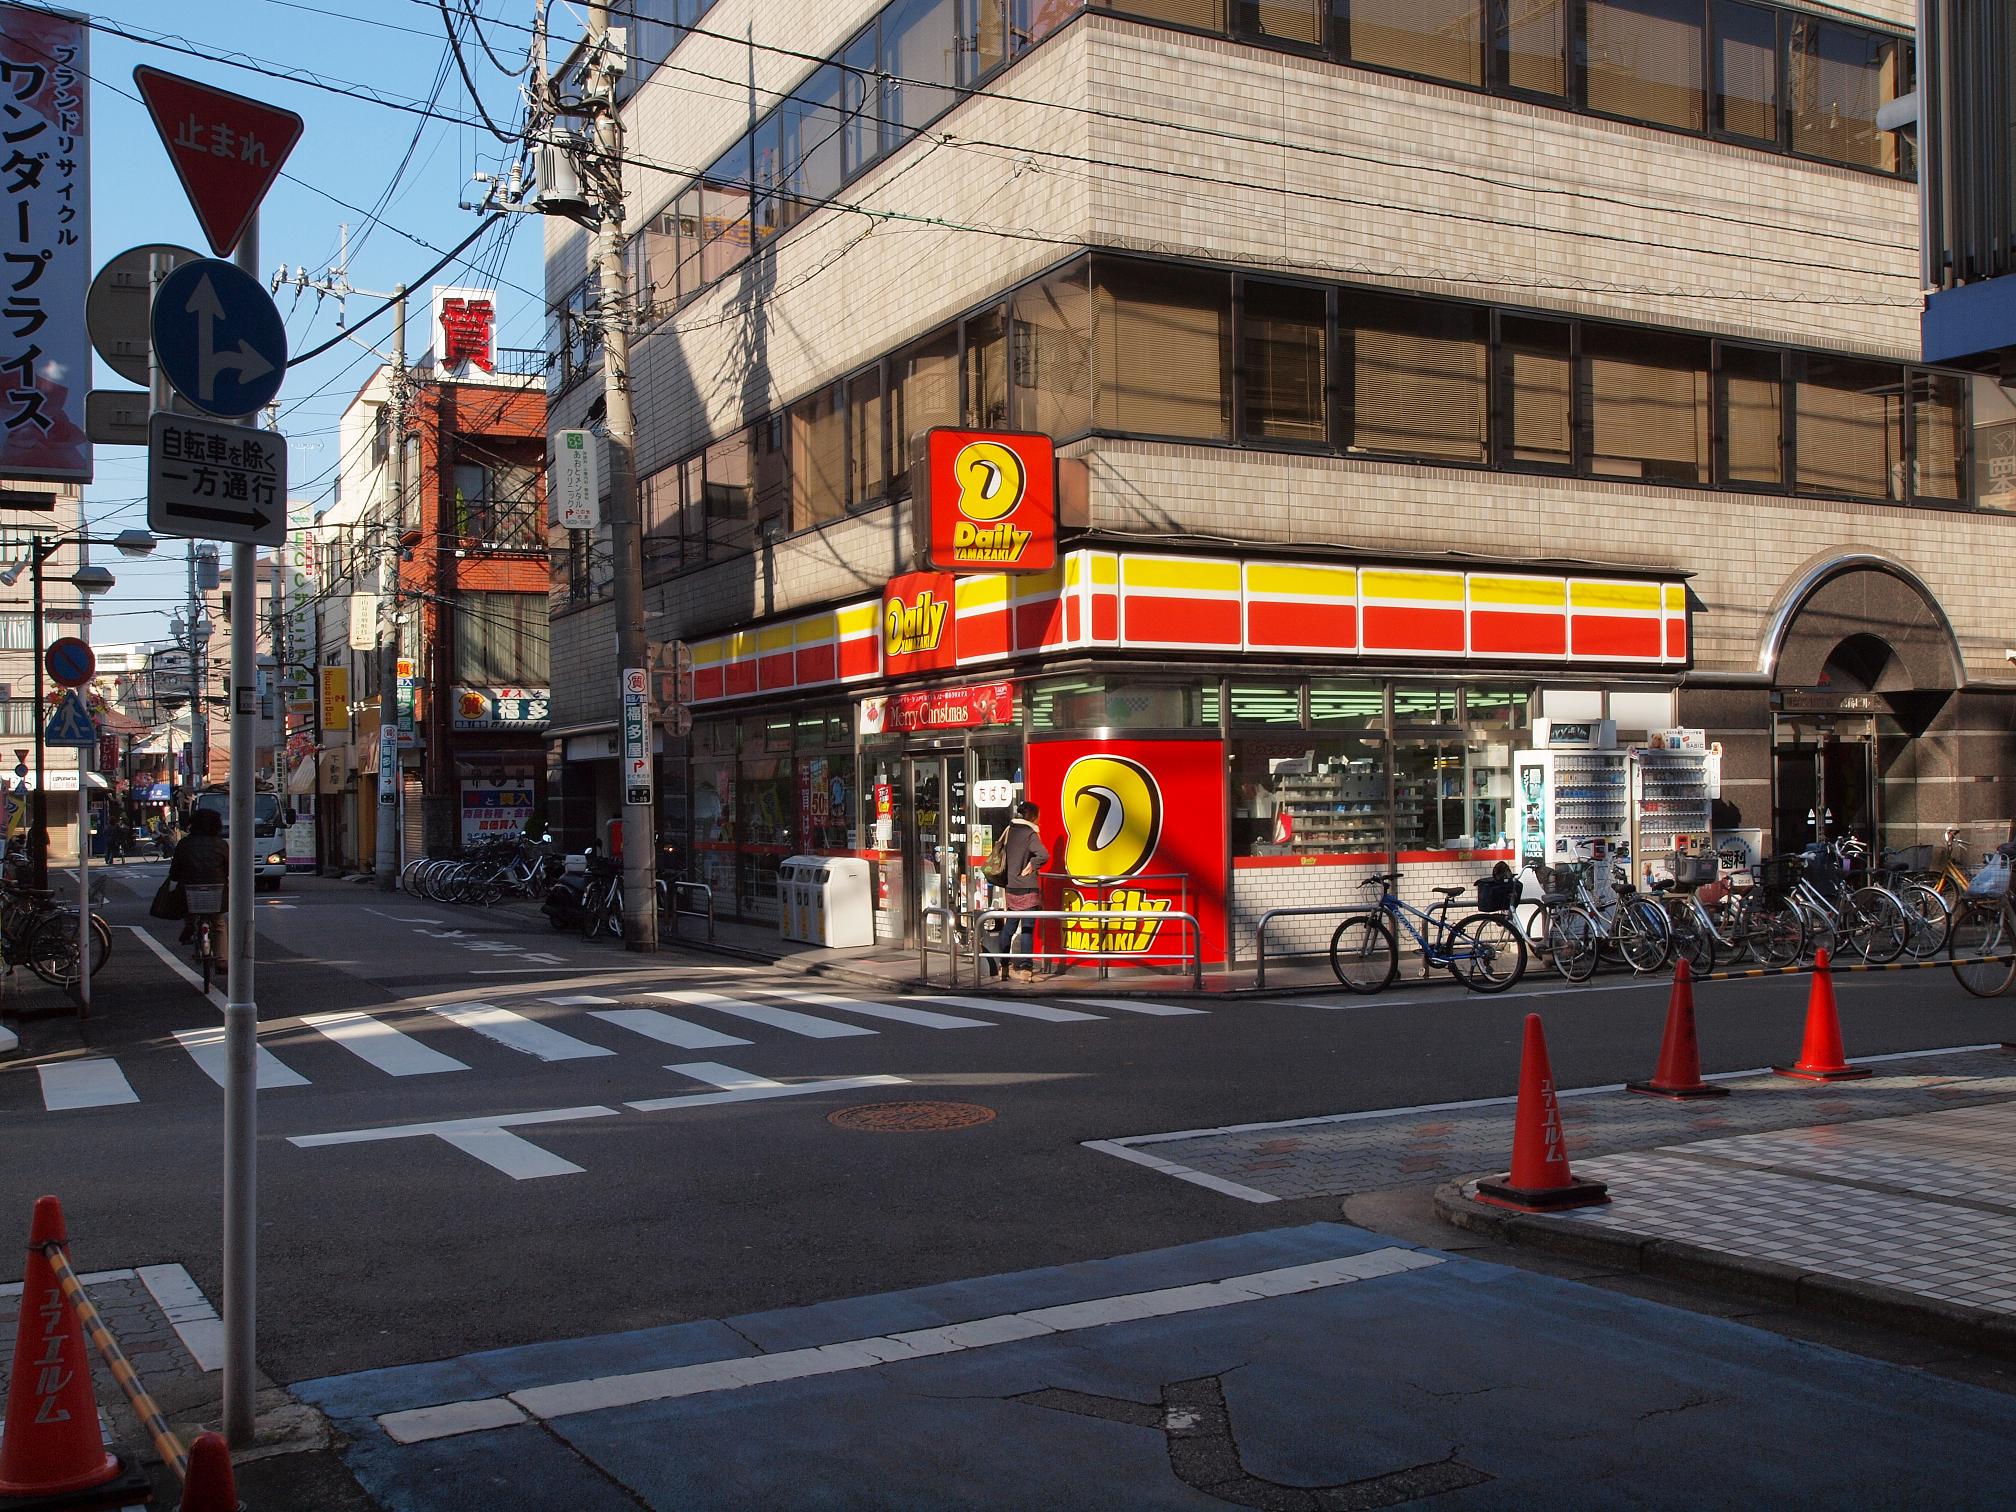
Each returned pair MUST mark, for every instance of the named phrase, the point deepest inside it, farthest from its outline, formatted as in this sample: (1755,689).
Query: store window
(1347,705)
(867,450)
(1296,794)
(1994,422)
(986,371)
(1496,706)
(1535,369)
(1849,428)
(818,458)
(1746,70)
(1838,78)
(1266,703)
(1752,398)
(1644,60)
(924,391)
(712,765)
(1938,436)
(1646,397)
(501,639)
(1161,350)
(1450,795)
(1294,23)
(1531,43)
(1424,704)
(1416,376)
(1282,328)
(1098,703)
(1442,39)
(1052,354)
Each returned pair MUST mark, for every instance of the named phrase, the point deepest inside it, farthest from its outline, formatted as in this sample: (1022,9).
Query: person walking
(1024,855)
(203,857)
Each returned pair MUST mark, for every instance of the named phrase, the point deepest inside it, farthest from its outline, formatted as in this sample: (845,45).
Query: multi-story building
(471,602)
(1419,372)
(64,612)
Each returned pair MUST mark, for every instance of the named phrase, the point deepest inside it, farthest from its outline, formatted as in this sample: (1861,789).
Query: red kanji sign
(227,150)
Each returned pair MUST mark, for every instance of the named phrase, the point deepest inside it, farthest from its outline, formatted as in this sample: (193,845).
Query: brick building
(1418,373)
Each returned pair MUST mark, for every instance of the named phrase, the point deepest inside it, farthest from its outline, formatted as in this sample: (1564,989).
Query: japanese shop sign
(490,809)
(227,149)
(45,246)
(917,623)
(335,699)
(939,709)
(522,709)
(992,501)
(465,328)
(636,736)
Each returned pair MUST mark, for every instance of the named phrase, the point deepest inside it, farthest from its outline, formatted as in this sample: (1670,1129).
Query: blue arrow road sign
(71,724)
(219,337)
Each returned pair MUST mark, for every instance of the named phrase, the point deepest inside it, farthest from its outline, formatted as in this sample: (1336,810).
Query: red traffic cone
(1821,1058)
(1679,1073)
(1539,1180)
(210,1487)
(51,1445)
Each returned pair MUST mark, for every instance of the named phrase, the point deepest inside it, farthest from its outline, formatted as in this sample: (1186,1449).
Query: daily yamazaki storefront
(1213,735)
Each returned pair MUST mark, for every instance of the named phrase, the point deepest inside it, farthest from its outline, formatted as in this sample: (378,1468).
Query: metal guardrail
(1307,911)
(1194,935)
(950,936)
(679,911)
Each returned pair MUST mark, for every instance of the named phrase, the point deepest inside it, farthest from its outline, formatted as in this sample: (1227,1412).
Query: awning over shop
(62,782)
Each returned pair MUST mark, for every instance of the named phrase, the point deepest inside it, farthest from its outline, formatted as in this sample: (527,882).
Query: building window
(1295,23)
(1753,417)
(661,510)
(500,640)
(920,55)
(1849,425)
(1417,377)
(1205,15)
(819,124)
(730,496)
(867,446)
(1531,43)
(986,367)
(818,458)
(1938,436)
(771,462)
(1646,396)
(1838,78)
(1051,354)
(1161,350)
(1442,39)
(17,716)
(924,391)
(498,504)
(1644,60)
(1746,71)
(1535,369)
(1285,394)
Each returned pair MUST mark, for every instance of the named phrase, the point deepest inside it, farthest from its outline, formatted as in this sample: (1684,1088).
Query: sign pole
(241,1014)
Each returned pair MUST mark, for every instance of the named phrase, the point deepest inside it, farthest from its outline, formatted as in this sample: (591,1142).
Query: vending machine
(1673,778)
(1572,796)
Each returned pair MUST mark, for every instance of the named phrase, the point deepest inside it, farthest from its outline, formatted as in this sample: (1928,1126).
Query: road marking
(776,1018)
(188,1312)
(13,1288)
(757,1093)
(206,1048)
(1182,1172)
(1013,1008)
(878,1010)
(168,958)
(94,1083)
(488,1139)
(390,1050)
(664,1028)
(405,918)
(601,1393)
(514,1031)
(1135,1005)
(512,970)
(579,1000)
(727,1078)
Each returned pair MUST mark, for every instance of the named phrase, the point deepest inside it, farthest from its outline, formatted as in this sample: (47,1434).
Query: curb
(1766,1281)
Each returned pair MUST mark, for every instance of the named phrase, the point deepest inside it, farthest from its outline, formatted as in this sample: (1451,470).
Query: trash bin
(825,900)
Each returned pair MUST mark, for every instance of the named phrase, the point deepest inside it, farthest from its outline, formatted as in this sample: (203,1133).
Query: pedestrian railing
(1193,936)
(680,890)
(948,936)
(1309,911)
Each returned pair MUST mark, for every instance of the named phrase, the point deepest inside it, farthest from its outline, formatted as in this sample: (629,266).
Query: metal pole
(38,806)
(241,1013)
(86,759)
(389,779)
(640,841)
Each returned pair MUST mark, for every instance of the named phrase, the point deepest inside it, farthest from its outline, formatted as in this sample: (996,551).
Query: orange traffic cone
(210,1487)
(1821,1058)
(51,1446)
(1539,1180)
(1679,1073)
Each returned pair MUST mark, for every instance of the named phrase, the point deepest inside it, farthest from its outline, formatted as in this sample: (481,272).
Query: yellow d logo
(1112,817)
(990,479)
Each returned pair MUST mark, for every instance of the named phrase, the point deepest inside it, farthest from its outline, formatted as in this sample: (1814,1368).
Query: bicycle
(1483,951)
(1982,942)
(206,914)
(1873,921)
(41,934)
(1930,912)
(1629,927)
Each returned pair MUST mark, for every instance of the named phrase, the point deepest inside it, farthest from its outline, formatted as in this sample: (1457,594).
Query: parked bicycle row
(508,868)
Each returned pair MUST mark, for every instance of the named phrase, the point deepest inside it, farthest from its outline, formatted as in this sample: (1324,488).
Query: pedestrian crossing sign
(71,724)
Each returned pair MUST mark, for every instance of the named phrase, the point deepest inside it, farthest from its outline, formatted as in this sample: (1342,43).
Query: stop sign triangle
(227,150)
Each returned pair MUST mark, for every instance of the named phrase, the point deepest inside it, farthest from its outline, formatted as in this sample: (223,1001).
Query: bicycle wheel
(1531,920)
(206,951)
(1693,941)
(1486,954)
(1774,930)
(593,905)
(1931,918)
(1572,941)
(1982,947)
(1822,932)
(52,951)
(1363,953)
(1878,926)
(1643,936)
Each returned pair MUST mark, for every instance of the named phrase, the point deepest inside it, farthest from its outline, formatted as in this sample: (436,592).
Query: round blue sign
(220,338)
(70,662)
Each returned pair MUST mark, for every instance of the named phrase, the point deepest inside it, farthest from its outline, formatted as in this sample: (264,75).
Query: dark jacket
(201,859)
(1023,856)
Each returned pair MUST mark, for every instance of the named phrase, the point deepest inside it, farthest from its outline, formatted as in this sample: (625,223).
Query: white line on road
(1135,1005)
(916,1016)
(727,1078)
(516,1032)
(755,1094)
(776,1018)
(1013,1009)
(579,1000)
(405,918)
(93,1083)
(390,1050)
(485,1138)
(179,968)
(1181,1172)
(206,1048)
(188,1312)
(665,1029)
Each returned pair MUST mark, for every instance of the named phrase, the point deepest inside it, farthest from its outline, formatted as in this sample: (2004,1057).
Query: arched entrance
(1863,663)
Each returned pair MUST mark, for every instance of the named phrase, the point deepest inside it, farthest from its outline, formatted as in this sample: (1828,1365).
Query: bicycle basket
(1496,894)
(1569,875)
(1992,880)
(1694,870)
(1779,873)
(205,898)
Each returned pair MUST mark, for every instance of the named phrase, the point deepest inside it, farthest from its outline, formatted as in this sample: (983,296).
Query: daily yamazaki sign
(918,629)
(991,503)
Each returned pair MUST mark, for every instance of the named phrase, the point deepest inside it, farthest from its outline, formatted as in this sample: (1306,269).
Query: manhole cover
(911,1117)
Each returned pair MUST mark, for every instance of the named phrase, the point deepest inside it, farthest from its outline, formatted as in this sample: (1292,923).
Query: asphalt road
(384,1251)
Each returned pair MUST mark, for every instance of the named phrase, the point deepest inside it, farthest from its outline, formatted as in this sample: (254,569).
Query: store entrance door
(1823,785)
(935,858)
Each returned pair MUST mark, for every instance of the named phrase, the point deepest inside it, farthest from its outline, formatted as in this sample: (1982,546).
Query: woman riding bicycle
(202,858)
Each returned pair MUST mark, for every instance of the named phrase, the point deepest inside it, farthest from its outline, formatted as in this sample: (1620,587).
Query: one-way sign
(214,481)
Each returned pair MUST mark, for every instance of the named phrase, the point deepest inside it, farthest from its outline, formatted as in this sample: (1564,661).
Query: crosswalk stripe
(206,1048)
(879,1010)
(666,1029)
(776,1018)
(579,1000)
(390,1050)
(1135,1005)
(514,1031)
(727,1078)
(1013,1009)
(94,1083)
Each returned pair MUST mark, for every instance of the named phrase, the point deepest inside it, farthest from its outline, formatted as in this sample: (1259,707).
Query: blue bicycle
(1483,951)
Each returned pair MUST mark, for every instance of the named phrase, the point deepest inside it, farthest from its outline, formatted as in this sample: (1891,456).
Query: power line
(469,83)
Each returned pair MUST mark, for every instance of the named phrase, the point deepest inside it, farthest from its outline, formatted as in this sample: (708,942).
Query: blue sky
(348,151)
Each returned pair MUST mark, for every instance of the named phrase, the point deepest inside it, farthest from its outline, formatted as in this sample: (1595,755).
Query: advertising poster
(491,809)
(1139,824)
